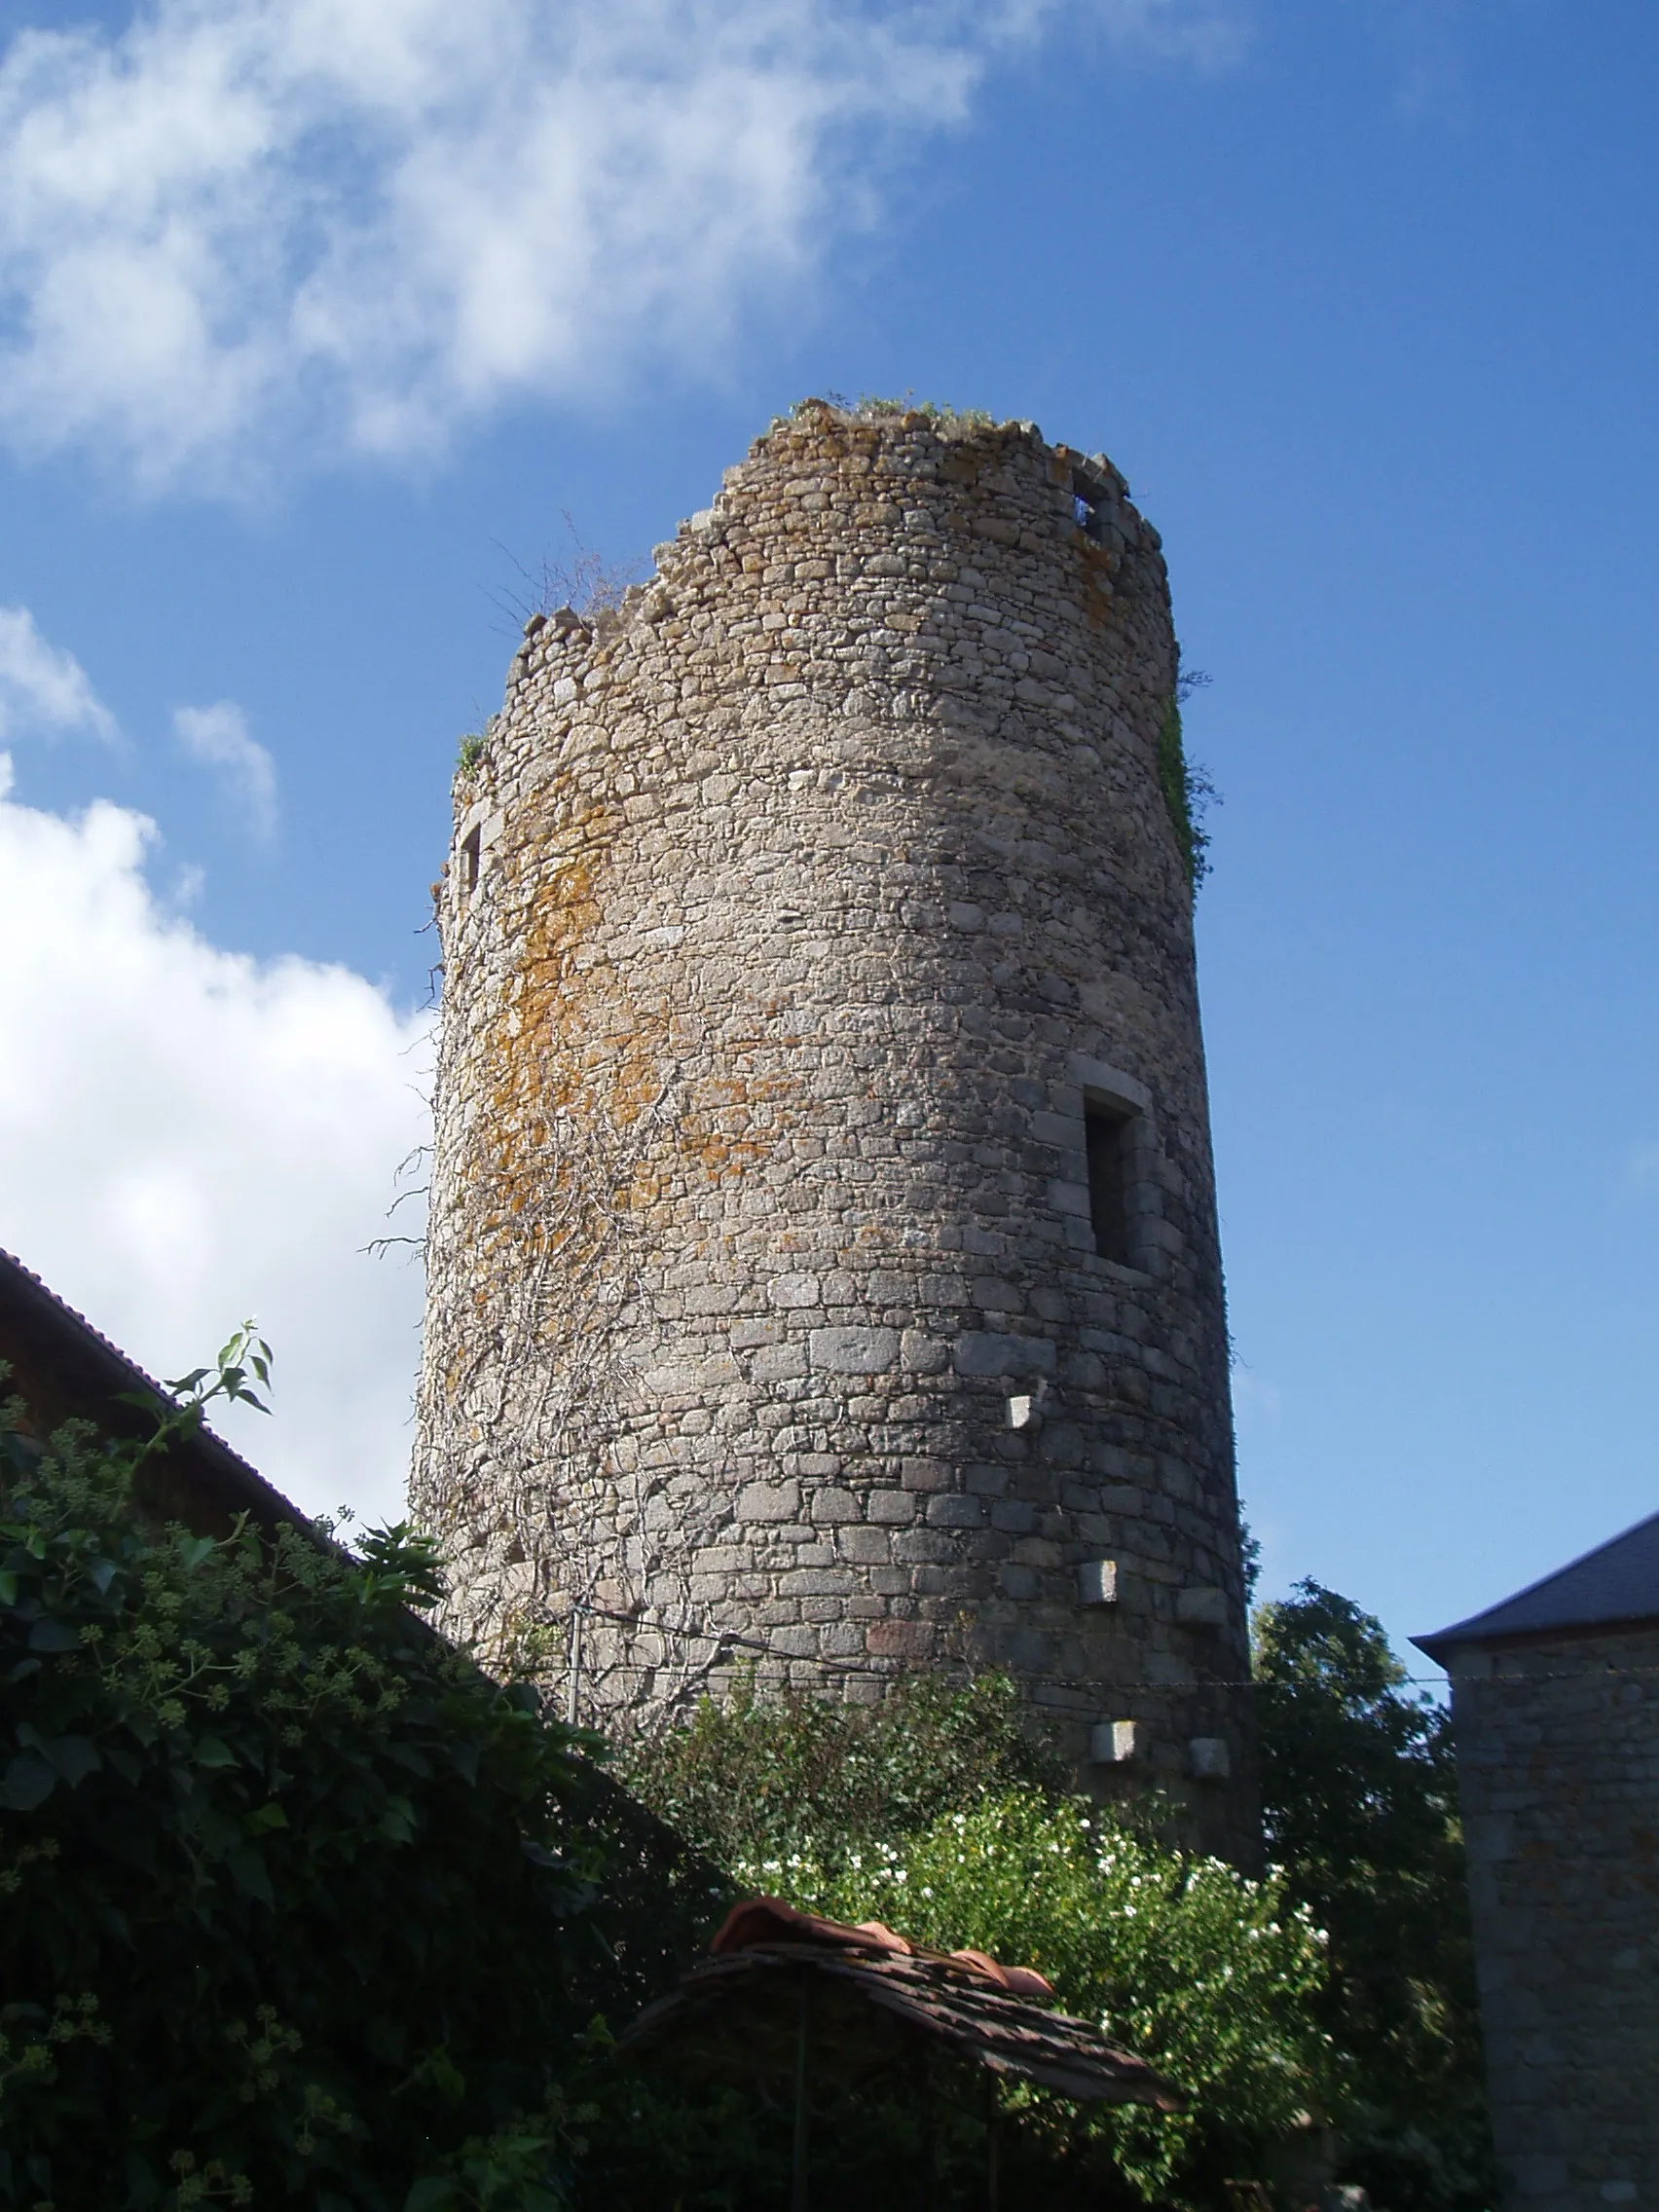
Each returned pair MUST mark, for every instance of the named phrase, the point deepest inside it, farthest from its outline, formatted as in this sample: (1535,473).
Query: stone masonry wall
(1558,1765)
(794,911)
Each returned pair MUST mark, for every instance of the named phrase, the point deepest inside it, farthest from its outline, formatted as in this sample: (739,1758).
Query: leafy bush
(760,1777)
(936,1813)
(298,1906)
(1206,1974)
(1360,1798)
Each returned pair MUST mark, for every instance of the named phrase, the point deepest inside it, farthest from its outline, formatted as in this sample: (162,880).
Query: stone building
(1554,1705)
(823,1256)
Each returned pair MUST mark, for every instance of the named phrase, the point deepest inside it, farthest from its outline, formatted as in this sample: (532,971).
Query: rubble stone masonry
(1558,1768)
(800,913)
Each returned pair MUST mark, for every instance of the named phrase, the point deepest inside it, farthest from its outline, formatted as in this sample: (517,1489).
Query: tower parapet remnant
(822,1250)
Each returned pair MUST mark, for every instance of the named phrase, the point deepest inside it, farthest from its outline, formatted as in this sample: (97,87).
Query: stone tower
(823,1252)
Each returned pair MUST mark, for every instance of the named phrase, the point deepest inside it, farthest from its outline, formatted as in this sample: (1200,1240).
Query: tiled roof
(1616,1583)
(869,1994)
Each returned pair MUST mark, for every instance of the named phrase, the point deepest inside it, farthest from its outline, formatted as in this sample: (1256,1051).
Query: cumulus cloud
(217,736)
(370,219)
(189,1136)
(42,686)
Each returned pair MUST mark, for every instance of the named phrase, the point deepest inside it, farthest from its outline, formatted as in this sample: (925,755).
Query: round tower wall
(823,1252)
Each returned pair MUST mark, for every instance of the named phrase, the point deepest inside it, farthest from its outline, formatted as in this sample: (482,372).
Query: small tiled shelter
(791,2000)
(1555,1701)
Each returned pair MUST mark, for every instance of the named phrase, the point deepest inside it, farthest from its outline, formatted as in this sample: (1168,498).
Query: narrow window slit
(471,848)
(1107,1135)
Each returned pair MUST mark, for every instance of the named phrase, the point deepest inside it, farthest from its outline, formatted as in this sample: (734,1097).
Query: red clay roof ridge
(764,1923)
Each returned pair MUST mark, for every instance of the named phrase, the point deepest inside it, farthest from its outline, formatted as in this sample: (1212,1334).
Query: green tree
(1360,1800)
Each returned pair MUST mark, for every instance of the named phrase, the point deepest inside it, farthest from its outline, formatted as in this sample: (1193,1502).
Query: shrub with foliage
(296,1905)
(760,1777)
(936,1813)
(1360,1797)
(1206,1974)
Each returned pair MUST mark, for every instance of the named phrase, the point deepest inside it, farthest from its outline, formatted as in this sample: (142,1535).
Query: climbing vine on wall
(1188,792)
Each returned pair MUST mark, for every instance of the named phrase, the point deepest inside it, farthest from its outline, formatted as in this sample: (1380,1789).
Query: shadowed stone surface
(1558,1771)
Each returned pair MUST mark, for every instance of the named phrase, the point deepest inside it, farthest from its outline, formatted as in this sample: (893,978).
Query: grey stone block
(853,1350)
(1210,1760)
(1098,1582)
(1201,1607)
(954,1511)
(1117,1743)
(768,1501)
(985,1354)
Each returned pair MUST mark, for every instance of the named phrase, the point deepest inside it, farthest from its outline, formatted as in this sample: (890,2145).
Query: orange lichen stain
(1100,603)
(573,1070)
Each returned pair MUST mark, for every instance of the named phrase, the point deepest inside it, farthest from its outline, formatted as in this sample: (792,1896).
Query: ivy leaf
(28,1782)
(432,2194)
(249,1872)
(210,1751)
(146,1401)
(49,1634)
(73,1756)
(398,1821)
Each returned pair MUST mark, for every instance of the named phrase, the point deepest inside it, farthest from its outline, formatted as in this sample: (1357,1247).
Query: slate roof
(1617,1584)
(63,1368)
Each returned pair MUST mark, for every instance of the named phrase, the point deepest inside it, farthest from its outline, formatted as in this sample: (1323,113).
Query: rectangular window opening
(470,851)
(1088,507)
(1108,1141)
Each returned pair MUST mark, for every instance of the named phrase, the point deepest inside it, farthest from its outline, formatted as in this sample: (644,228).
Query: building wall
(1558,1763)
(793,910)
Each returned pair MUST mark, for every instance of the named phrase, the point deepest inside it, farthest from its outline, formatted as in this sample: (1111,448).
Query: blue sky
(314,322)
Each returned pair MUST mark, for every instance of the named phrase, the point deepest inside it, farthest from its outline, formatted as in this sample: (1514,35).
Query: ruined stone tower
(823,1252)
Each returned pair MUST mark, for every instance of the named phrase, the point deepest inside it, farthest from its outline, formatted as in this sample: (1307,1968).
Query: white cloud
(217,737)
(42,686)
(366,220)
(189,1136)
